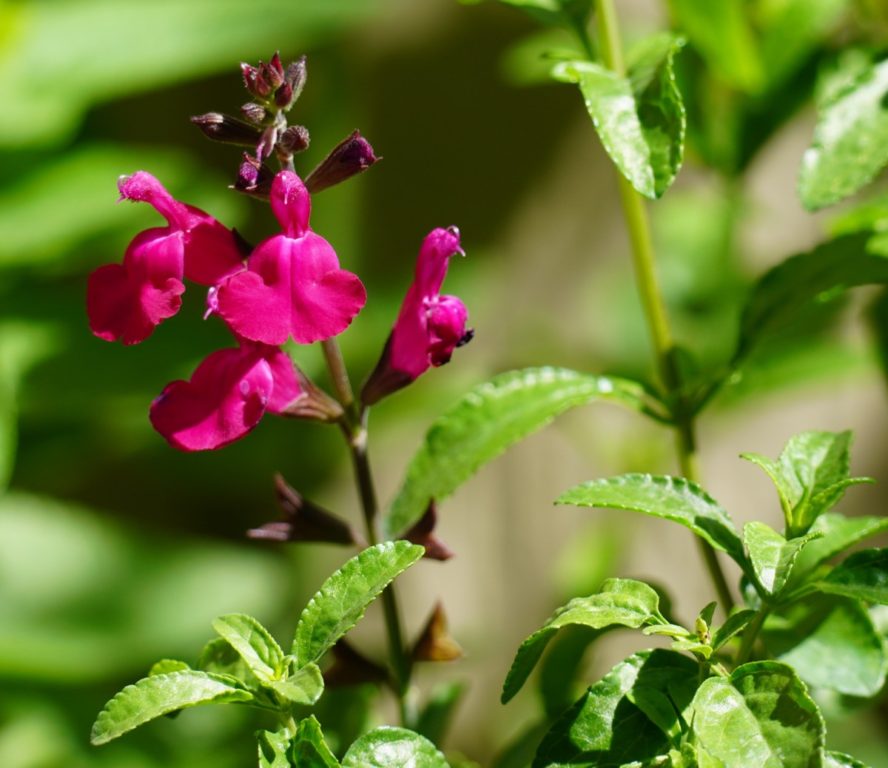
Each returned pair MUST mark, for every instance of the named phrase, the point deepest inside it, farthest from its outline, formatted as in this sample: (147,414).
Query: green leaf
(343,598)
(159,695)
(671,498)
(721,32)
(639,118)
(486,421)
(831,643)
(819,275)
(561,672)
(310,749)
(762,716)
(304,686)
(620,602)
(840,760)
(626,715)
(554,12)
(437,713)
(254,644)
(220,658)
(771,555)
(850,144)
(863,576)
(393,748)
(735,623)
(837,533)
(273,748)
(165,666)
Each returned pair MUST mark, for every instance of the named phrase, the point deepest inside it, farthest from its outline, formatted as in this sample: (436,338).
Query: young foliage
(343,598)
(671,498)
(158,695)
(761,715)
(771,555)
(393,748)
(486,421)
(309,748)
(620,602)
(253,643)
(640,118)
(273,748)
(837,533)
(850,144)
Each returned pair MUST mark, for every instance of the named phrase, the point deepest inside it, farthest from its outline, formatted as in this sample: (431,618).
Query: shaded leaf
(837,533)
(310,749)
(343,598)
(671,498)
(640,118)
(486,421)
(393,748)
(735,623)
(863,576)
(253,642)
(560,677)
(850,144)
(761,715)
(771,555)
(625,716)
(438,711)
(620,602)
(304,686)
(159,695)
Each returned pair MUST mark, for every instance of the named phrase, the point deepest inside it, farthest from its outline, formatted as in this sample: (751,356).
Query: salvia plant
(797,625)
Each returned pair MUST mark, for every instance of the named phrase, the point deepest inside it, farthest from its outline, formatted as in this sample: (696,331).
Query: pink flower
(226,397)
(126,301)
(429,326)
(293,285)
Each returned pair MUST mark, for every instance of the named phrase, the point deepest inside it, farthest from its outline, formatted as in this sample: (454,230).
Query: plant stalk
(750,635)
(354,427)
(653,306)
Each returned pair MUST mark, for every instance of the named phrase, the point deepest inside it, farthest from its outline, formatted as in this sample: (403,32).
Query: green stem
(355,430)
(652,301)
(749,637)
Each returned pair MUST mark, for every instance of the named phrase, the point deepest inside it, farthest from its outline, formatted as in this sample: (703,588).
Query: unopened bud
(254,80)
(283,97)
(226,129)
(304,521)
(254,112)
(274,70)
(294,139)
(351,156)
(295,77)
(254,177)
(435,642)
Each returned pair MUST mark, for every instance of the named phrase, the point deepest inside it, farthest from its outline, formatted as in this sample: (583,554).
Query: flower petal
(290,203)
(434,255)
(286,382)
(225,398)
(447,317)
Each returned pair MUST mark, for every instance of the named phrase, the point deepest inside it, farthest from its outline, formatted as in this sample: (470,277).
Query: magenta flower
(127,301)
(226,397)
(429,326)
(293,285)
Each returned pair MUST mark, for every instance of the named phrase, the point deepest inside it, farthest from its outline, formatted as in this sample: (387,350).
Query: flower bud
(255,81)
(273,72)
(294,140)
(255,113)
(351,156)
(435,642)
(254,177)
(226,129)
(295,77)
(304,521)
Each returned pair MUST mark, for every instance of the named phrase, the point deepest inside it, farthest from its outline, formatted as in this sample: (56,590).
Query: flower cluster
(289,287)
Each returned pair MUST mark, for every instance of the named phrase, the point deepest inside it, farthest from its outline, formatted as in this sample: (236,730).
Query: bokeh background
(116,550)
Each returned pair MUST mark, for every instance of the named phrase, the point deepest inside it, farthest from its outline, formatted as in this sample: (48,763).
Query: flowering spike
(435,643)
(429,326)
(227,129)
(293,286)
(351,156)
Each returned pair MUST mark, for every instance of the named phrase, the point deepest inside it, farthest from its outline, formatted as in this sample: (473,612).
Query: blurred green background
(115,550)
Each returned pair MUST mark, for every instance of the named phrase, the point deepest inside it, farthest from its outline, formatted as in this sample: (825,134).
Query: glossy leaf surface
(837,533)
(393,748)
(253,643)
(771,555)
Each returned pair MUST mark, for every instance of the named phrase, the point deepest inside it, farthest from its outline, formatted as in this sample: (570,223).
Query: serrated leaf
(253,642)
(735,623)
(721,32)
(438,711)
(620,602)
(304,686)
(670,498)
(164,666)
(310,749)
(625,716)
(850,144)
(220,658)
(862,576)
(819,275)
(273,747)
(831,643)
(761,715)
(393,748)
(837,533)
(771,555)
(343,598)
(159,695)
(840,760)
(640,118)
(489,419)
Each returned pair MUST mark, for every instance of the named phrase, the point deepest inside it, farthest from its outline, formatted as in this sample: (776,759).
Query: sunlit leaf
(771,555)
(489,419)
(310,749)
(343,598)
(253,642)
(304,686)
(838,533)
(863,576)
(393,748)
(273,747)
(159,695)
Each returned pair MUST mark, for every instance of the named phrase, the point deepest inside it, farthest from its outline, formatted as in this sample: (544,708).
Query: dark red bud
(255,113)
(295,77)
(423,532)
(284,96)
(435,642)
(255,81)
(276,66)
(271,75)
(227,129)
(294,139)
(351,156)
(254,177)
